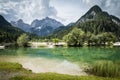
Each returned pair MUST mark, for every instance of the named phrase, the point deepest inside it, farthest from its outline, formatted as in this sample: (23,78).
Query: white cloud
(86,1)
(65,11)
(27,10)
(47,10)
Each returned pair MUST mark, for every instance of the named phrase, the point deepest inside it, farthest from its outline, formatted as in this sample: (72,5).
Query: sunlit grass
(26,75)
(105,69)
(54,76)
(12,67)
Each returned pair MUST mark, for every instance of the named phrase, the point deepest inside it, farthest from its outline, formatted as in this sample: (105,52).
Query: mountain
(3,22)
(46,22)
(96,14)
(91,14)
(8,33)
(61,31)
(96,21)
(20,24)
(70,24)
(39,27)
(45,26)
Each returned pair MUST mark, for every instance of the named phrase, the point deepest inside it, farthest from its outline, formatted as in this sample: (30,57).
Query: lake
(60,60)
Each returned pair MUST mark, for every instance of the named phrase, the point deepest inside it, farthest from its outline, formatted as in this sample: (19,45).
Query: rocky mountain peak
(96,9)
(20,21)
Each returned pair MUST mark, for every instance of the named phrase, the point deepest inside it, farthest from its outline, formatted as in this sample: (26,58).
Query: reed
(105,69)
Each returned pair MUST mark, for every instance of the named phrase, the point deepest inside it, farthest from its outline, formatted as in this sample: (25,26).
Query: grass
(54,76)
(10,66)
(8,70)
(27,75)
(105,69)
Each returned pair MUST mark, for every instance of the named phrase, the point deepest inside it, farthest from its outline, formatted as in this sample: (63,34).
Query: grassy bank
(105,69)
(54,76)
(9,70)
(14,71)
(12,67)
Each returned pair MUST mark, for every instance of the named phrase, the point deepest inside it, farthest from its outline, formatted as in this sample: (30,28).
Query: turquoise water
(61,60)
(79,55)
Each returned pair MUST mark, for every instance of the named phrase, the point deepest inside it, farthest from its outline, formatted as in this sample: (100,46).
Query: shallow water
(60,60)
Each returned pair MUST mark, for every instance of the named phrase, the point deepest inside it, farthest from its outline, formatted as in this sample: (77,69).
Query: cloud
(47,10)
(70,10)
(27,10)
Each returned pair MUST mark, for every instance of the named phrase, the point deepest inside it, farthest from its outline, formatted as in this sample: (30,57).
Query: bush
(23,40)
(75,37)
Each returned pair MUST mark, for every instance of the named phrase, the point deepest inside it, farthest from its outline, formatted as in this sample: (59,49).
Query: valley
(46,49)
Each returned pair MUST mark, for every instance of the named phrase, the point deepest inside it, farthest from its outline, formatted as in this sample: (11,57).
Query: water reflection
(84,54)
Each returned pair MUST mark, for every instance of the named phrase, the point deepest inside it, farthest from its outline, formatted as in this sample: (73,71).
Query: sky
(65,11)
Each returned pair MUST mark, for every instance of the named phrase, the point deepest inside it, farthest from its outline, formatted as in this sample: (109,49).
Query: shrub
(23,40)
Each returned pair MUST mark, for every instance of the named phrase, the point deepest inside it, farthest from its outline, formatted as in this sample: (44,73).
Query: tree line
(77,37)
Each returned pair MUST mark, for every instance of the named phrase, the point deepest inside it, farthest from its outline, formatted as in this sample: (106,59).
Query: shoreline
(46,44)
(61,44)
(15,71)
(2,47)
(43,65)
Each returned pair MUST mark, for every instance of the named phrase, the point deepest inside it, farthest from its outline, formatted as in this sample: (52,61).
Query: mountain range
(95,21)
(20,24)
(40,27)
